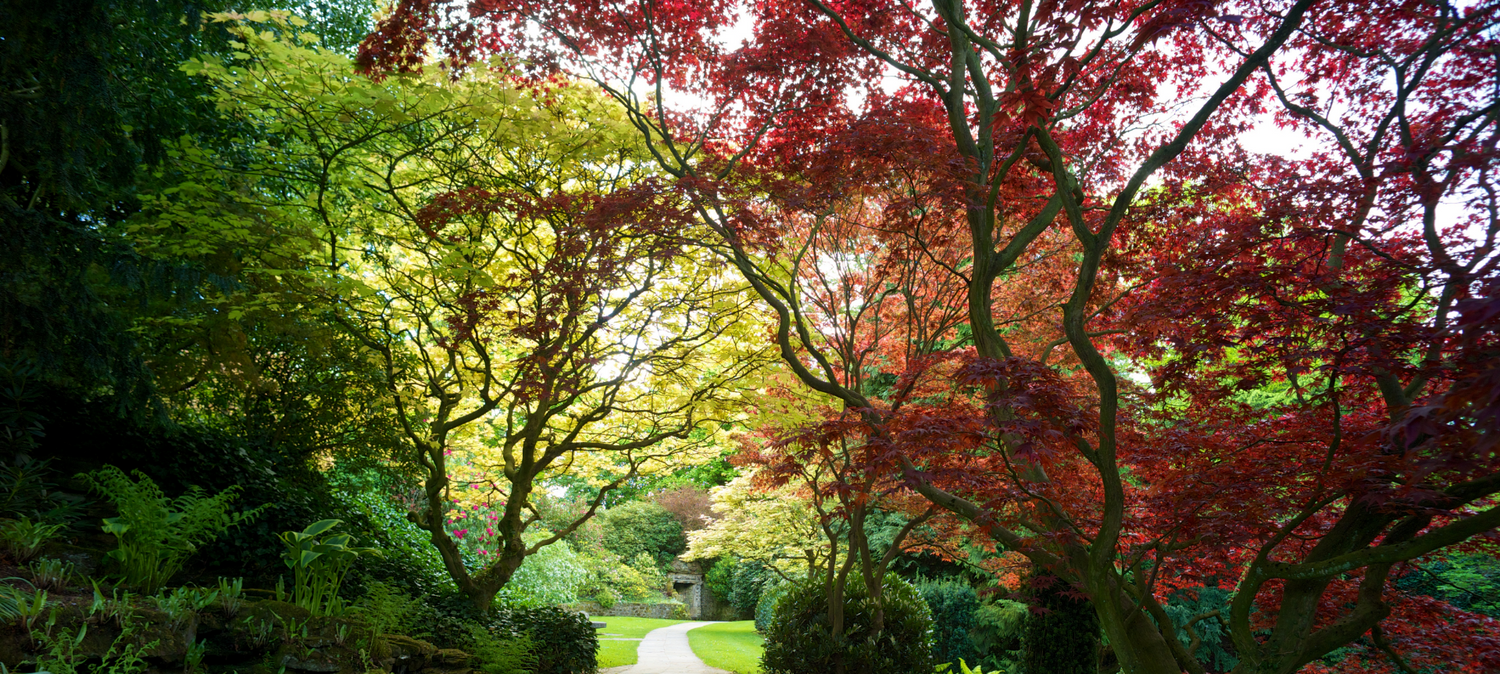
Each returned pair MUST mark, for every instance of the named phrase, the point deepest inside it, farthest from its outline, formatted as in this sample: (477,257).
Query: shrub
(607,575)
(496,655)
(997,632)
(560,512)
(1063,638)
(953,605)
(564,641)
(288,489)
(442,618)
(750,580)
(551,576)
(411,561)
(738,583)
(643,527)
(156,534)
(720,577)
(606,598)
(800,640)
(765,607)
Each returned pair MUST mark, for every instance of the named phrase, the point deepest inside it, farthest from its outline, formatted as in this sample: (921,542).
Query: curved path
(665,651)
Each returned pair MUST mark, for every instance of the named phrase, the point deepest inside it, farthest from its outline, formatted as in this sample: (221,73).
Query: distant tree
(688,504)
(643,528)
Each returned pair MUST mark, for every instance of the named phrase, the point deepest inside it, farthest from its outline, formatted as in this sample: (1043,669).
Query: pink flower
(484,552)
(489,531)
(459,533)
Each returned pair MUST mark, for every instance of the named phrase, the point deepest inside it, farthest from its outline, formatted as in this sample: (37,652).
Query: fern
(157,534)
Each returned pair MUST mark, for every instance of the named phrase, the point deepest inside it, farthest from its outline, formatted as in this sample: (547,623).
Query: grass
(733,646)
(617,653)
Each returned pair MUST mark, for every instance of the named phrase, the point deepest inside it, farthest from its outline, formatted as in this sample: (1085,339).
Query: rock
(405,645)
(311,663)
(450,657)
(408,654)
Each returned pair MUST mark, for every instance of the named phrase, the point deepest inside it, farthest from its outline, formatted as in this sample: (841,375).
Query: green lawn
(733,646)
(616,653)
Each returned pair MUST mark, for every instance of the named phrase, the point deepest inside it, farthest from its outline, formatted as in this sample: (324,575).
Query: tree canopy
(1175,359)
(1178,318)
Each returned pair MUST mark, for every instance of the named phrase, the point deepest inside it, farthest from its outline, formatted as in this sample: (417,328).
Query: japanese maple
(1176,360)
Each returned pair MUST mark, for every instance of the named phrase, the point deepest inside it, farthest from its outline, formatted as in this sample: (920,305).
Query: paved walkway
(666,651)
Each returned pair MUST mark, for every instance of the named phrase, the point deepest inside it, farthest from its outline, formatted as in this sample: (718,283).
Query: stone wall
(667,610)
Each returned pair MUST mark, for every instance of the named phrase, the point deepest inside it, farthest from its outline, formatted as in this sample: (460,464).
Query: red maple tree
(1118,340)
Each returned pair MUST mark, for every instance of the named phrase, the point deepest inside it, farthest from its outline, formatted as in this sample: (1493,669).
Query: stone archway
(686,580)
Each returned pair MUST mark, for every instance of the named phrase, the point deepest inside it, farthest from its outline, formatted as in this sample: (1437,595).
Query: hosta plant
(319,560)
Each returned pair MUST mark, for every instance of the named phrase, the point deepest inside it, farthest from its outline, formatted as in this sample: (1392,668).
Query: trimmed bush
(563,641)
(953,605)
(800,639)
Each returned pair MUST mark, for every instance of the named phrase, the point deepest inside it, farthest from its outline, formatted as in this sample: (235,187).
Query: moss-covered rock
(409,654)
(450,657)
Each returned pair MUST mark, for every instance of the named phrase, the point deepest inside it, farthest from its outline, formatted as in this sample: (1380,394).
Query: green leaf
(320,526)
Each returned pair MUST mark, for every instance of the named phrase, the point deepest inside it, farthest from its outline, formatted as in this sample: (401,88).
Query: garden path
(665,651)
